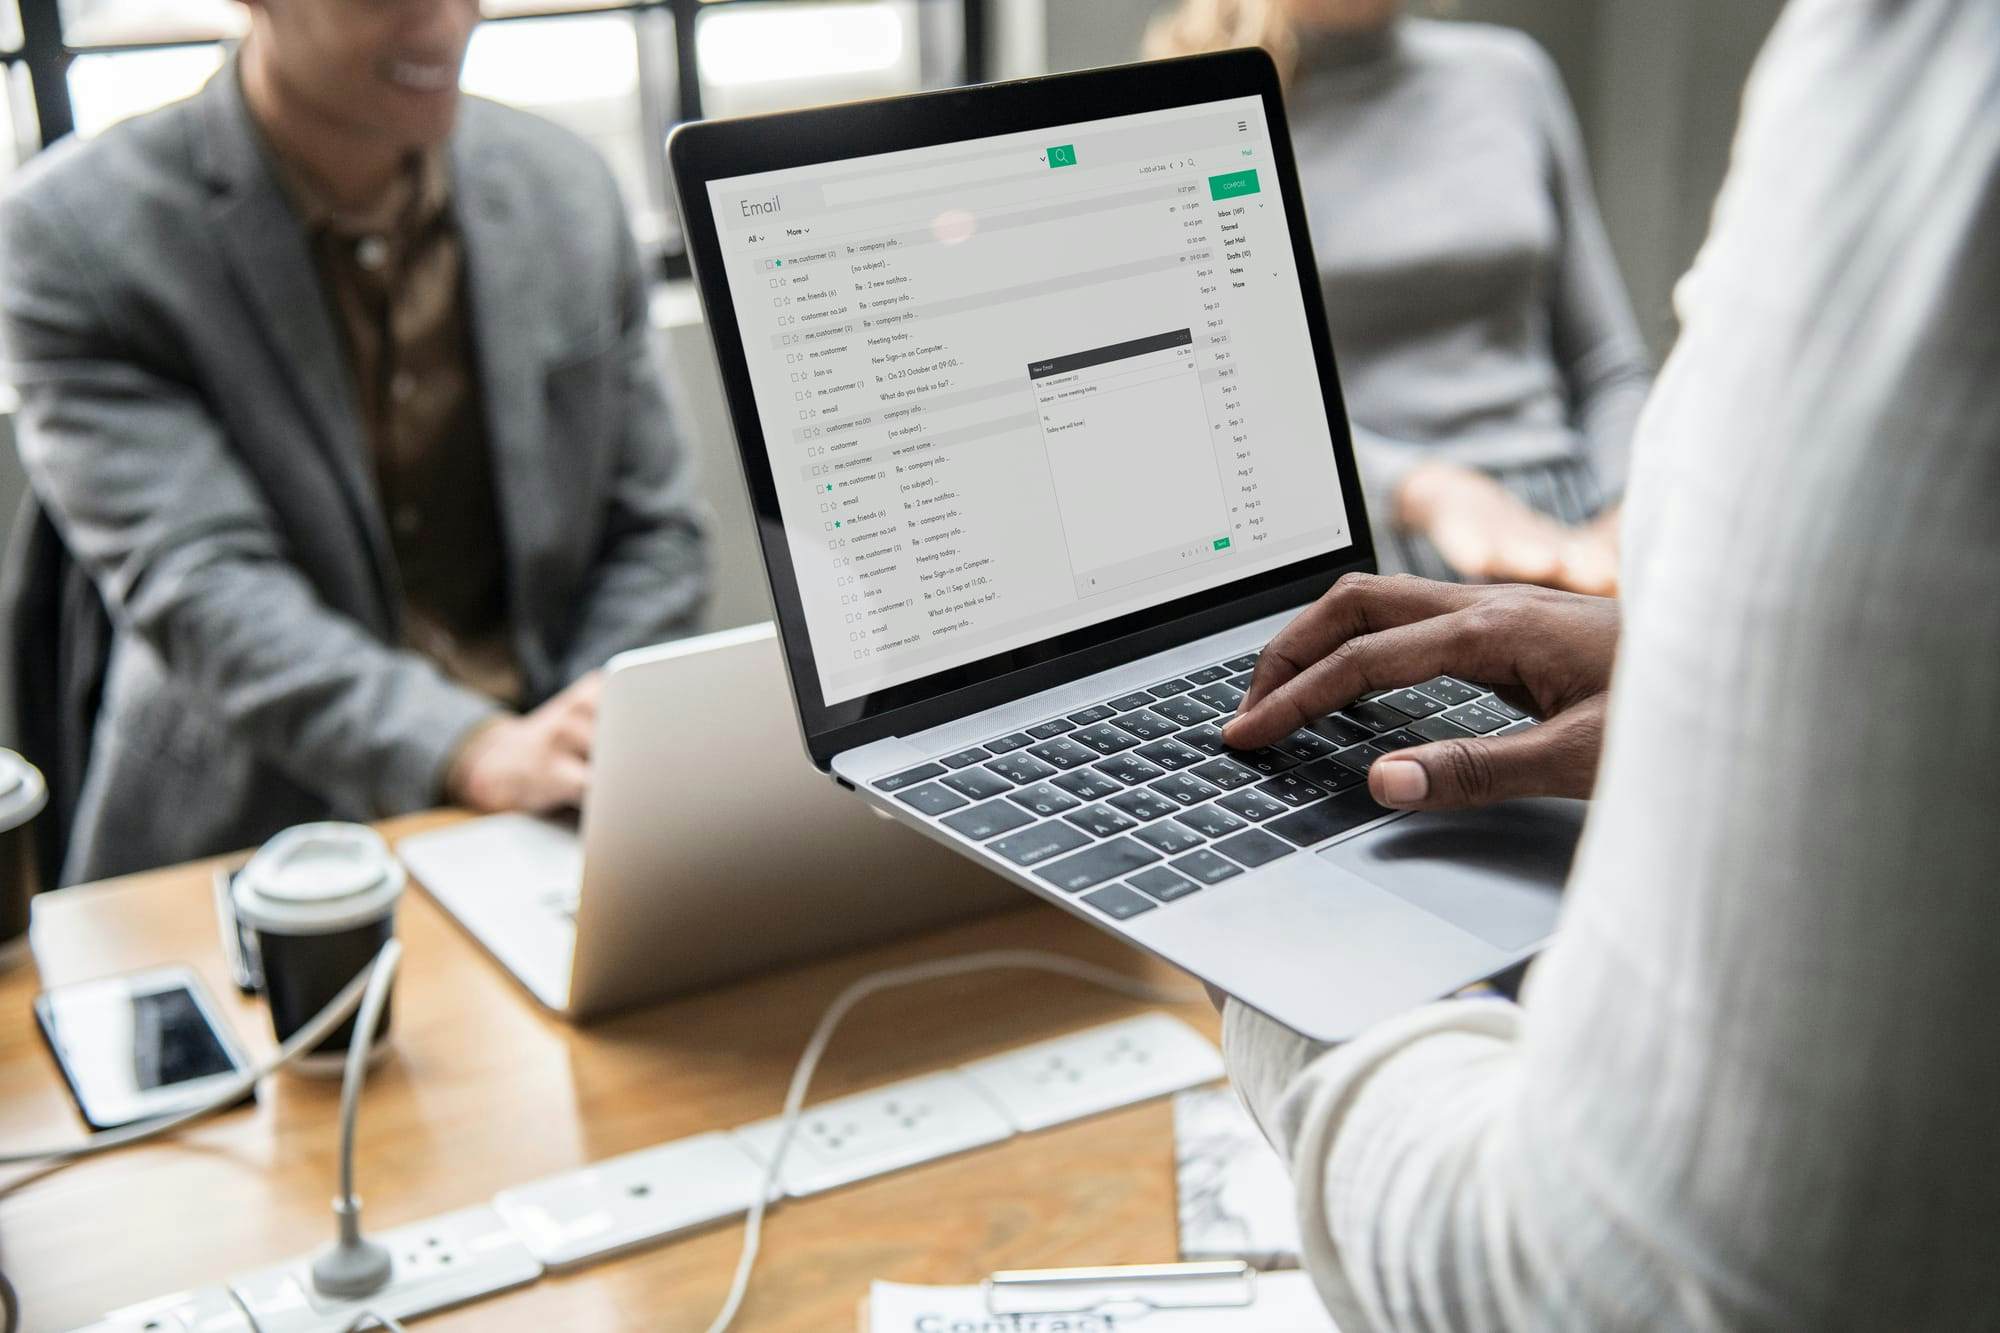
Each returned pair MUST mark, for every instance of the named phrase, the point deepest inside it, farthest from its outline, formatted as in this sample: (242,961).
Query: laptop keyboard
(1135,803)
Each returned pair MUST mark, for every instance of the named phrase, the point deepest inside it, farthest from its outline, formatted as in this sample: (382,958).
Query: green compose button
(1231,184)
(1221,544)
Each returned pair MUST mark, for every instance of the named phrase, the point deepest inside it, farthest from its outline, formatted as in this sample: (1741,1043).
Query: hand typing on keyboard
(1545,652)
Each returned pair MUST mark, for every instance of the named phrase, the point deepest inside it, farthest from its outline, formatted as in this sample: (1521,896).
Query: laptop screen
(1016,386)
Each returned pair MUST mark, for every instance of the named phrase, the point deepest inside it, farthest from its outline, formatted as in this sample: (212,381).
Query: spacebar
(1316,823)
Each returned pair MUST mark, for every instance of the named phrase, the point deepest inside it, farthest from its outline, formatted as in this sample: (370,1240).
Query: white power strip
(657,1193)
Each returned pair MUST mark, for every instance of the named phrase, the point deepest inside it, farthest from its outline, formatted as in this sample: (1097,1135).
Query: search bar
(978,171)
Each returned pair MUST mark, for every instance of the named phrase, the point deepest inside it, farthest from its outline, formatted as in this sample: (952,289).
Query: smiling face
(386,70)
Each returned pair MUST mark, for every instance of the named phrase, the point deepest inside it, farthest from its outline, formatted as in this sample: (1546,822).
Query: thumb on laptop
(1556,758)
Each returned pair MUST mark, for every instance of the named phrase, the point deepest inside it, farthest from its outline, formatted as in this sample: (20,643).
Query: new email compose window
(1015,386)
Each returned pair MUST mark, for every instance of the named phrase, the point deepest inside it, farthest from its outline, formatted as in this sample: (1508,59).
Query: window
(620,73)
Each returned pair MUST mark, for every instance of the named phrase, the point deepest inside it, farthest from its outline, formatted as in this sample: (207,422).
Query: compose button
(1232,184)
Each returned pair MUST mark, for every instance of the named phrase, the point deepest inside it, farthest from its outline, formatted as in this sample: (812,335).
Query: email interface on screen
(1015,386)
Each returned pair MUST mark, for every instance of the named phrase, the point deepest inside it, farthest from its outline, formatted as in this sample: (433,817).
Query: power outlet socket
(882,1130)
(442,1262)
(1090,1072)
(207,1310)
(625,1202)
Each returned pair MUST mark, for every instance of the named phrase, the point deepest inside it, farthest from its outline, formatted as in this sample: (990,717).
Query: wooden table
(487,1091)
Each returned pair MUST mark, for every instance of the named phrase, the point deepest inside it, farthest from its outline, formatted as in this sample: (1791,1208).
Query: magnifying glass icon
(1063,156)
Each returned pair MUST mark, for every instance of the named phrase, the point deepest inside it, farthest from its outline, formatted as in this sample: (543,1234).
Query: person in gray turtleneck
(1491,364)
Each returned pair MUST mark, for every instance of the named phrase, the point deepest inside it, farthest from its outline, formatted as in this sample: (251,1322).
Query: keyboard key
(1253,848)
(1039,843)
(1092,715)
(1211,821)
(1494,703)
(1448,691)
(931,798)
(909,777)
(964,757)
(976,783)
(1242,682)
(1143,805)
(1162,883)
(1101,821)
(1183,789)
(1316,823)
(1167,689)
(1013,742)
(1044,799)
(1126,702)
(1374,715)
(1104,738)
(1340,731)
(1168,838)
(1303,744)
(1055,727)
(1267,761)
(1169,754)
(1206,867)
(1208,675)
(1437,729)
(1086,784)
(1331,775)
(1357,760)
(1145,724)
(1118,902)
(1093,865)
(1129,769)
(1225,773)
(1220,696)
(1062,752)
(1292,789)
(1401,739)
(1246,662)
(1184,711)
(988,821)
(1413,704)
(1253,805)
(1476,717)
(1020,768)
(1206,738)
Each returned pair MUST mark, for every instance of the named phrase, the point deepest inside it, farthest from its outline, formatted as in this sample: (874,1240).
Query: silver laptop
(707,851)
(1034,398)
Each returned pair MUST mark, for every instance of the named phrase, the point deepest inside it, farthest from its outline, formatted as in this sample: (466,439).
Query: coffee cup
(22,796)
(316,903)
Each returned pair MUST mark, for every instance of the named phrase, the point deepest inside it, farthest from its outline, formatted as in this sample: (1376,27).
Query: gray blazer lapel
(266,250)
(495,222)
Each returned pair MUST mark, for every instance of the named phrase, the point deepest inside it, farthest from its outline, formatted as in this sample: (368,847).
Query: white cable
(1034,960)
(312,1034)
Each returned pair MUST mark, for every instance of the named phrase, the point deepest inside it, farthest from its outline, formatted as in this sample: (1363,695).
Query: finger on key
(1557,758)
(1357,604)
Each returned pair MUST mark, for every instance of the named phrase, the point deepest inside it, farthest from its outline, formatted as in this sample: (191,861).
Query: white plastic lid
(315,879)
(22,791)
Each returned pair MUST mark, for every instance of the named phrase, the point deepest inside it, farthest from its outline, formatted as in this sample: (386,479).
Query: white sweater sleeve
(1753,1082)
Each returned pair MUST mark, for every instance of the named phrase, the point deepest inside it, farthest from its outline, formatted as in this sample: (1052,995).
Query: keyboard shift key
(1093,865)
(1413,704)
(1254,847)
(909,777)
(1044,799)
(1164,884)
(1128,769)
(1183,789)
(1476,717)
(1211,821)
(1145,724)
(931,799)
(1329,818)
(1169,754)
(1184,711)
(976,783)
(1448,691)
(1143,805)
(1168,838)
(1038,844)
(1020,768)
(964,757)
(1101,821)
(1053,727)
(1206,867)
(1062,752)
(1225,773)
(1104,738)
(1119,902)
(1252,805)
(1438,729)
(989,820)
(1086,784)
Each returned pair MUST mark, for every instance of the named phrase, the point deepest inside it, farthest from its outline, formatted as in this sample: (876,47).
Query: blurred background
(1656,87)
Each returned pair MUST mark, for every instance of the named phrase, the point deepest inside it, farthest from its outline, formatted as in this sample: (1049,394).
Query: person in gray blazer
(338,385)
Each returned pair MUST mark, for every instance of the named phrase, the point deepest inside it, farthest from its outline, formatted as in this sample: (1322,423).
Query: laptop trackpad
(1497,873)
